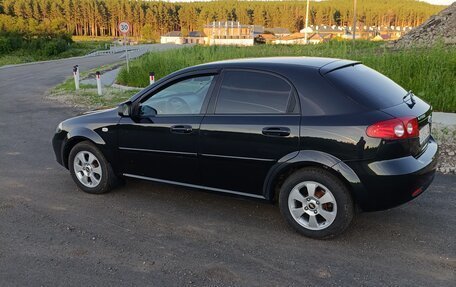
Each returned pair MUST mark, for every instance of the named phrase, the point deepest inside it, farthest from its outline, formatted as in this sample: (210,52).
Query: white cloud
(439,2)
(436,2)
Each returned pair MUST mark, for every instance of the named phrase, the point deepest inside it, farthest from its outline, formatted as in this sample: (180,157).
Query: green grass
(87,96)
(430,73)
(68,86)
(106,39)
(24,55)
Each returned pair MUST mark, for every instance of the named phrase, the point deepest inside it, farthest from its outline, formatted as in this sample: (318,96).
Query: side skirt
(194,186)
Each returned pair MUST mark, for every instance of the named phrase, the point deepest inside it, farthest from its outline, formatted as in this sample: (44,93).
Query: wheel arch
(76,136)
(308,158)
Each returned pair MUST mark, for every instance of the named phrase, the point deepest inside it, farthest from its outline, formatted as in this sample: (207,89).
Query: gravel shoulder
(446,137)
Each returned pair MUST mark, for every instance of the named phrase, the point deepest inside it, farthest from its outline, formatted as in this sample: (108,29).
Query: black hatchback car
(320,136)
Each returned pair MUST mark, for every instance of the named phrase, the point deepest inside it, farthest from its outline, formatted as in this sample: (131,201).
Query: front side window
(247,92)
(184,97)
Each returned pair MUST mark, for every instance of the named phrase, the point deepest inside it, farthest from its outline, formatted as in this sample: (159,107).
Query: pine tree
(101,17)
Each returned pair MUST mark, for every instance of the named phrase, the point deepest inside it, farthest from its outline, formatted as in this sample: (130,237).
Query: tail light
(417,192)
(399,128)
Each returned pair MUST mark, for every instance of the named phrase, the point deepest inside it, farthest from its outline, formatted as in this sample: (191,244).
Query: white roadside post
(124,27)
(151,78)
(77,73)
(99,83)
(76,78)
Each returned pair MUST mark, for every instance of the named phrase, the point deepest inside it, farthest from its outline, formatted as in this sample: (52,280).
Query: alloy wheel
(312,205)
(87,169)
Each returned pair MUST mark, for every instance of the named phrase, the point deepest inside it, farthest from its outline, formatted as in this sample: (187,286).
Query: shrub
(54,47)
(10,42)
(44,44)
(4,45)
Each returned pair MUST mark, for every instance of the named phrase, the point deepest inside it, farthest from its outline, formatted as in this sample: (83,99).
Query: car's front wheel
(90,169)
(316,203)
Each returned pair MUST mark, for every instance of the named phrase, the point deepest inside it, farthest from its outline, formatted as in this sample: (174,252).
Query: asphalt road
(157,235)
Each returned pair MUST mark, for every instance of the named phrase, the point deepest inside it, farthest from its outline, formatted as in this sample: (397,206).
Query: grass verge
(76,49)
(87,97)
(430,73)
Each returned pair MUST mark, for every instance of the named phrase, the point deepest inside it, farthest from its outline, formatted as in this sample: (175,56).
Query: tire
(326,213)
(90,170)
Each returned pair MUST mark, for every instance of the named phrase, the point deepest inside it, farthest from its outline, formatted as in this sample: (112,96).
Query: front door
(161,142)
(254,122)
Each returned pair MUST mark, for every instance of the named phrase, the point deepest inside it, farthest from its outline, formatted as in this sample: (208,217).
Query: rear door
(251,123)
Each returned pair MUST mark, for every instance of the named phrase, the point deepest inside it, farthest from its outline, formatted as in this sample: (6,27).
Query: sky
(435,2)
(439,2)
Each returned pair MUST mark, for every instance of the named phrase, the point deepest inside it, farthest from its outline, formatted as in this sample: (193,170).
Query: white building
(174,37)
(230,33)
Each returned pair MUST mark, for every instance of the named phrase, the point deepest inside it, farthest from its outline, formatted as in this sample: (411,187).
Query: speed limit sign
(124,27)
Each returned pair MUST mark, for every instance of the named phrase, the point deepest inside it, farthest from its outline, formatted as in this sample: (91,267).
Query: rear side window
(247,92)
(367,86)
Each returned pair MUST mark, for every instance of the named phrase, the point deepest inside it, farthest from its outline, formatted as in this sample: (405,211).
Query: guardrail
(115,50)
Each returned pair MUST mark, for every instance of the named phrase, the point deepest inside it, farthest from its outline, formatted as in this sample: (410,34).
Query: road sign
(124,27)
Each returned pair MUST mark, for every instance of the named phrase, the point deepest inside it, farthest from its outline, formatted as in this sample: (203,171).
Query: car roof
(310,62)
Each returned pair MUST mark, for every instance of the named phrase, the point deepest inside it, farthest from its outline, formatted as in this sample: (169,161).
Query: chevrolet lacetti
(320,136)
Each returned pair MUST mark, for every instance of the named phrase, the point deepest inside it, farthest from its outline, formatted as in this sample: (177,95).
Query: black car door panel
(251,125)
(161,140)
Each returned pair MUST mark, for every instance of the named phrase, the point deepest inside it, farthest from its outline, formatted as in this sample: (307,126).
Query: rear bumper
(389,183)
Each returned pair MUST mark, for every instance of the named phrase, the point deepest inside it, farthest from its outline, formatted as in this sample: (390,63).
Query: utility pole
(307,22)
(354,20)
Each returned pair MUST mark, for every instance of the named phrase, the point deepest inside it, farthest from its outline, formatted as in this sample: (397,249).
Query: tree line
(150,19)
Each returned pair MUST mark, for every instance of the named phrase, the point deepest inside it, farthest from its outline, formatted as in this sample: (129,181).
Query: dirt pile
(440,27)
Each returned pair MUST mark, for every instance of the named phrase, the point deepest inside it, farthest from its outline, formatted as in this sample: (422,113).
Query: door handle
(276,131)
(181,129)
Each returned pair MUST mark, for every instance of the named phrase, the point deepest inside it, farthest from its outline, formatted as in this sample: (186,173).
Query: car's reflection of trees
(343,150)
(360,145)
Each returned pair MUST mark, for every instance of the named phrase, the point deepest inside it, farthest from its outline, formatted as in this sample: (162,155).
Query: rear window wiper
(411,94)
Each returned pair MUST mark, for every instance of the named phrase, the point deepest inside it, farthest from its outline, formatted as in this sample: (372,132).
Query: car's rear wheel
(90,169)
(316,203)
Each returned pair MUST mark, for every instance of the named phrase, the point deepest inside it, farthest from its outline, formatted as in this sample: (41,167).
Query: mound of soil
(438,28)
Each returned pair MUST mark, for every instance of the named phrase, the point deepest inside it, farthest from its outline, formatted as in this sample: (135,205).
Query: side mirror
(124,109)
(148,111)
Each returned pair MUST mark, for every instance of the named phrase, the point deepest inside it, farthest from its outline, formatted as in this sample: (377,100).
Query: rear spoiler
(339,64)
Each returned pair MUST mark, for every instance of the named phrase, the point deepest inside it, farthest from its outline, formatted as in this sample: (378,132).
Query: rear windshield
(367,86)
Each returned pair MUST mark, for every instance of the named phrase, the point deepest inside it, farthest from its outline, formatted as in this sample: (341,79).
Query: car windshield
(367,86)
